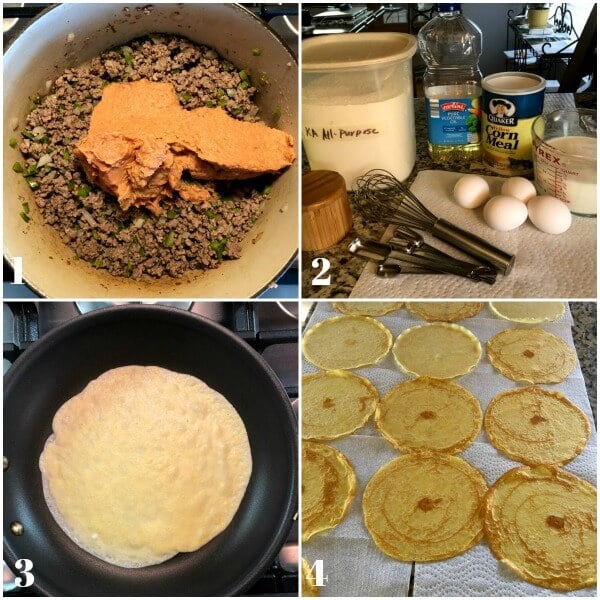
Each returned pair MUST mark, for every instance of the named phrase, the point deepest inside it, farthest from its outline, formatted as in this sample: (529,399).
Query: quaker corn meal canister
(511,102)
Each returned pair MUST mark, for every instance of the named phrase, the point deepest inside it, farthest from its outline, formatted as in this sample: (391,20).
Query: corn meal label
(506,129)
(453,121)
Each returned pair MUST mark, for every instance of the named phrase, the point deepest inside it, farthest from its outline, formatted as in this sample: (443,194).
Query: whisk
(383,198)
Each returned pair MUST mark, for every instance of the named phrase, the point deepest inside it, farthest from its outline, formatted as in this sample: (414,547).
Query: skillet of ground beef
(135,243)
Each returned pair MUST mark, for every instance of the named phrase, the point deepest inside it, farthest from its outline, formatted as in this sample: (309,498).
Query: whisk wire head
(383,197)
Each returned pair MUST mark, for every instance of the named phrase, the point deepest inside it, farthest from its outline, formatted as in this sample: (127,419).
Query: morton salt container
(511,102)
(357,103)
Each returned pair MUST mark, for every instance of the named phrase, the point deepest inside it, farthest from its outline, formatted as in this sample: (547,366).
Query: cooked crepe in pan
(369,309)
(444,311)
(531,355)
(536,426)
(429,414)
(541,522)
(328,487)
(335,403)
(427,506)
(145,463)
(346,342)
(528,312)
(441,350)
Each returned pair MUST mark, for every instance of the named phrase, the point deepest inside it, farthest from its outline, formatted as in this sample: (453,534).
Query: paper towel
(351,560)
(546,266)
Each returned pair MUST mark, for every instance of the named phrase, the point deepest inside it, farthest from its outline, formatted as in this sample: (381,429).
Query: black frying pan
(60,364)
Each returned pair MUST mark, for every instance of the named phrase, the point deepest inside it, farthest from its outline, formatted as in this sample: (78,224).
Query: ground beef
(135,243)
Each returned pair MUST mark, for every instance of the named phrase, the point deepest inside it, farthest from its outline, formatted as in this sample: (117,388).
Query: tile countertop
(345,268)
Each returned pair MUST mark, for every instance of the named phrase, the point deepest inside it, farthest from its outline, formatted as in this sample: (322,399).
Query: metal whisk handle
(473,245)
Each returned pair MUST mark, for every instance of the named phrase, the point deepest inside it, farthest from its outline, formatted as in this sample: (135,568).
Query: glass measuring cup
(564,157)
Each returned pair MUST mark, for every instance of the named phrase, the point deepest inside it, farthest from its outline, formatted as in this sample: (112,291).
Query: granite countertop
(584,336)
(345,268)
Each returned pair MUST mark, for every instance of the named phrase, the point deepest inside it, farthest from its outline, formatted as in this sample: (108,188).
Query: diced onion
(139,222)
(48,84)
(70,37)
(46,159)
(38,131)
(86,215)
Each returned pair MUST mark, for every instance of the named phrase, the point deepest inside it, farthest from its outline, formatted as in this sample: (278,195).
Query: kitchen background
(499,41)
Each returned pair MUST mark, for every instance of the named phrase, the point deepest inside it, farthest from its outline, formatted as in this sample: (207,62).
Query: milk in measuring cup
(569,174)
(352,138)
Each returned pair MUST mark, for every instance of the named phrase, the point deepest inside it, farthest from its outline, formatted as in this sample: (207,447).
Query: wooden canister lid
(326,216)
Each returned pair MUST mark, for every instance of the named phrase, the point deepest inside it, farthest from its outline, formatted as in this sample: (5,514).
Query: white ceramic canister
(511,101)
(357,103)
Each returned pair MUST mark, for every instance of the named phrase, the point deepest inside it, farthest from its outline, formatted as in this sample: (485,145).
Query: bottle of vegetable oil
(450,45)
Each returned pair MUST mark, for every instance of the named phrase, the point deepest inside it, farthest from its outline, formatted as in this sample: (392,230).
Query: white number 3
(24,565)
(324,265)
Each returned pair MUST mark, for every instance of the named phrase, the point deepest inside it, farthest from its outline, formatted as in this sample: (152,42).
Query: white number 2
(24,565)
(318,578)
(324,265)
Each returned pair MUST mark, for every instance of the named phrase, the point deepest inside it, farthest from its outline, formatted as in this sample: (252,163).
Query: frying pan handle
(473,245)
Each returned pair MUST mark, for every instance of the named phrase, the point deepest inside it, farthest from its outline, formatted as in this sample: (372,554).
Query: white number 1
(24,565)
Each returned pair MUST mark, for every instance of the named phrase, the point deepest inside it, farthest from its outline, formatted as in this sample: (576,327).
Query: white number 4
(318,578)
(24,565)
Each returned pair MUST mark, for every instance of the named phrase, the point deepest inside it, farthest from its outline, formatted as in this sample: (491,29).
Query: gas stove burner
(86,307)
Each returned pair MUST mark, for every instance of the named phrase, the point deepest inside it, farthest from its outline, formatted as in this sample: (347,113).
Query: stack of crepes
(141,142)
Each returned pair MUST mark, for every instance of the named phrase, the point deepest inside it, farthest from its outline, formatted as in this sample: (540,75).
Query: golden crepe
(309,588)
(346,342)
(425,506)
(335,403)
(145,463)
(369,309)
(528,312)
(536,426)
(541,522)
(429,414)
(328,487)
(444,311)
(531,355)
(441,350)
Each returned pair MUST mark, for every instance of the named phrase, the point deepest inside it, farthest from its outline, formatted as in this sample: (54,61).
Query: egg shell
(549,214)
(520,188)
(471,191)
(504,213)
